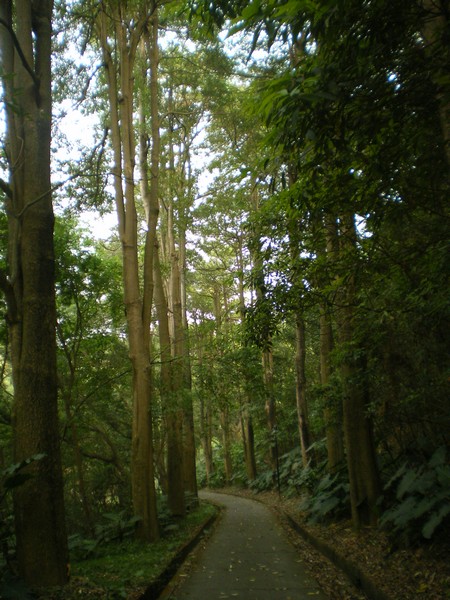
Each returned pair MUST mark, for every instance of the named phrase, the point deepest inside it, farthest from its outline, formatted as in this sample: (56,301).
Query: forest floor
(400,574)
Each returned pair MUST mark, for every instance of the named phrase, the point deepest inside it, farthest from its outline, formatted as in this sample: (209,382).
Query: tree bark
(435,32)
(225,427)
(119,73)
(300,389)
(30,290)
(190,471)
(248,436)
(269,406)
(360,451)
(172,416)
(205,423)
(333,409)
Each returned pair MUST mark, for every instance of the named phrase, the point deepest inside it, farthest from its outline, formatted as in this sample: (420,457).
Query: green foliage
(330,498)
(10,478)
(264,481)
(115,526)
(422,499)
(293,476)
(13,476)
(11,587)
(120,568)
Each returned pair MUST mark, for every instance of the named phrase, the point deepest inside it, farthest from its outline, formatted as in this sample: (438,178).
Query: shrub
(422,499)
(264,481)
(330,499)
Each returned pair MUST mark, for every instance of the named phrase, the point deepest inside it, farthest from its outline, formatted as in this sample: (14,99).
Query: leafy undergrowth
(125,569)
(421,572)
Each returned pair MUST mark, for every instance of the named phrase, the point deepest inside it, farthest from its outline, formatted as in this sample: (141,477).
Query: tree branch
(22,56)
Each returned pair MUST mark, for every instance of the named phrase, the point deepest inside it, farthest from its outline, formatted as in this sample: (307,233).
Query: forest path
(247,556)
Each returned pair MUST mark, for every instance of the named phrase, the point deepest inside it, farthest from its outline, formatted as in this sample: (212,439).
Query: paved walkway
(247,556)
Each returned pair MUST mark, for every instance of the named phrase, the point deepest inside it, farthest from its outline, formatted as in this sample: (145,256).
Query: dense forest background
(271,307)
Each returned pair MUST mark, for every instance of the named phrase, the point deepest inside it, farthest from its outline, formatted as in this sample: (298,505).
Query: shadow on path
(247,556)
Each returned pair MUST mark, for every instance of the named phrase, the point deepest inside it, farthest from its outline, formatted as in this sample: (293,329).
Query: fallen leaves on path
(412,574)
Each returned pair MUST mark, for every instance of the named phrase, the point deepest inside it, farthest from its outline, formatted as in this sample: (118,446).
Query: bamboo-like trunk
(172,414)
(142,471)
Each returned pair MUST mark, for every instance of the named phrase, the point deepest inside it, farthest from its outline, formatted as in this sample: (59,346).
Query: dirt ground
(402,574)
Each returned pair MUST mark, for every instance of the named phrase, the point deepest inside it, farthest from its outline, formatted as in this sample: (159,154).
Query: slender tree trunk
(361,461)
(300,389)
(30,290)
(175,456)
(267,355)
(205,440)
(226,440)
(78,457)
(269,406)
(295,228)
(248,439)
(205,424)
(435,32)
(172,413)
(248,436)
(120,85)
(332,413)
(190,471)
(333,409)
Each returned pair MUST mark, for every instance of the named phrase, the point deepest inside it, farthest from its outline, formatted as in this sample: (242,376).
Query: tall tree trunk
(332,413)
(190,471)
(205,422)
(119,74)
(295,229)
(30,289)
(269,406)
(175,449)
(248,439)
(248,436)
(435,32)
(333,409)
(300,389)
(172,413)
(267,355)
(361,460)
(78,464)
(226,441)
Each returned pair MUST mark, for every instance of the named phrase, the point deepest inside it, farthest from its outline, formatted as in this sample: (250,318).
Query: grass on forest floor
(125,569)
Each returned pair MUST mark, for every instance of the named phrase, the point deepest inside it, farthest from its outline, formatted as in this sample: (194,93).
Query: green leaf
(406,483)
(435,520)
(438,458)
(251,10)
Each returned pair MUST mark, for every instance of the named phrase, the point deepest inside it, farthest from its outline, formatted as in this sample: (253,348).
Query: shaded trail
(247,556)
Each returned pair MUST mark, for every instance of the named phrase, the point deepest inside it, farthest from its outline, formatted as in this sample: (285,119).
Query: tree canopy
(272,309)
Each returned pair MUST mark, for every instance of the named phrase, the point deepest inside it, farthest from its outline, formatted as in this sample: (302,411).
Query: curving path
(247,556)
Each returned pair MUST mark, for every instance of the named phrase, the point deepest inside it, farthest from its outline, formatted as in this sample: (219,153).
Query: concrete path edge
(359,578)
(156,587)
